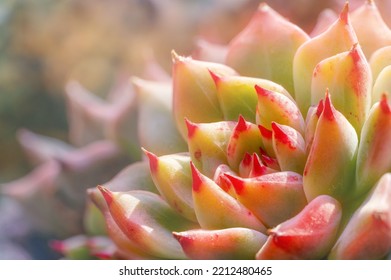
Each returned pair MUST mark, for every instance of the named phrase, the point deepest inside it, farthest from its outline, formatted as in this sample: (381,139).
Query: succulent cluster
(275,148)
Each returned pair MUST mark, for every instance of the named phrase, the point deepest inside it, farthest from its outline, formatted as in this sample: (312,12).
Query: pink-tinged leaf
(267,140)
(40,148)
(382,84)
(313,116)
(135,176)
(348,77)
(194,90)
(326,18)
(230,243)
(331,161)
(276,107)
(368,233)
(157,131)
(309,235)
(207,51)
(245,138)
(148,221)
(126,247)
(373,159)
(227,211)
(289,147)
(273,198)
(258,168)
(266,47)
(172,177)
(208,144)
(380,59)
(92,118)
(373,33)
(339,37)
(222,181)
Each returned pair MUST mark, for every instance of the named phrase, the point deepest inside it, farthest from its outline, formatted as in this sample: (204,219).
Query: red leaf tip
(344,15)
(266,133)
(261,91)
(216,78)
(246,159)
(237,183)
(241,125)
(191,128)
(107,194)
(197,179)
(384,104)
(328,111)
(279,134)
(153,160)
(319,109)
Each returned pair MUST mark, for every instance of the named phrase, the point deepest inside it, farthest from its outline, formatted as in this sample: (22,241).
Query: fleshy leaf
(157,131)
(172,177)
(208,144)
(230,243)
(245,138)
(276,107)
(382,84)
(311,122)
(308,235)
(126,247)
(208,51)
(367,235)
(147,221)
(326,18)
(378,61)
(227,211)
(331,161)
(194,90)
(373,33)
(266,47)
(373,159)
(348,77)
(273,198)
(135,176)
(339,37)
(289,147)
(40,148)
(237,97)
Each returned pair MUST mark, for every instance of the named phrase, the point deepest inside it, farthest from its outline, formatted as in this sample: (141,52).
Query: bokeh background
(46,43)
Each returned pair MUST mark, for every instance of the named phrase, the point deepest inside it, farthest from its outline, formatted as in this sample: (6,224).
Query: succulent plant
(276,148)
(287,149)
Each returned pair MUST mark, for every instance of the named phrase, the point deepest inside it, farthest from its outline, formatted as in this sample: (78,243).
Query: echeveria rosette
(278,165)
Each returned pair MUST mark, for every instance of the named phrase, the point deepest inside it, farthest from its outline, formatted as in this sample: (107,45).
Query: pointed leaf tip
(344,15)
(216,78)
(191,128)
(384,104)
(328,110)
(261,91)
(246,159)
(279,134)
(319,109)
(153,160)
(237,183)
(265,132)
(197,180)
(241,125)
(107,194)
